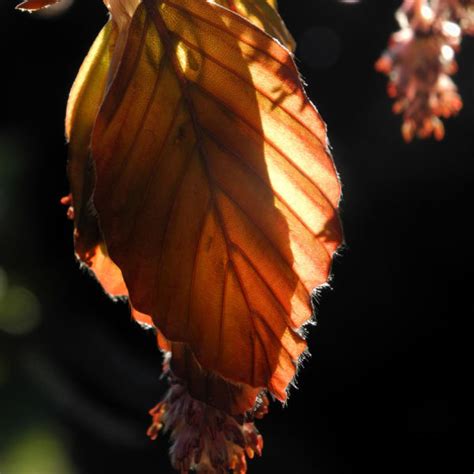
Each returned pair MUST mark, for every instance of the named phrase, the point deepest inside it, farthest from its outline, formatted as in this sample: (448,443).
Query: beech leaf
(215,189)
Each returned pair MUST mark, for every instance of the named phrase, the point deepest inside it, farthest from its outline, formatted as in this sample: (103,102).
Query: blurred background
(380,393)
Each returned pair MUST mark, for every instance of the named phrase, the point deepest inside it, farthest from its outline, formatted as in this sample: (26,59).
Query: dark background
(380,393)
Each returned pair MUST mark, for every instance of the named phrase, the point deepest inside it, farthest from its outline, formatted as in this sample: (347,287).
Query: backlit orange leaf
(215,189)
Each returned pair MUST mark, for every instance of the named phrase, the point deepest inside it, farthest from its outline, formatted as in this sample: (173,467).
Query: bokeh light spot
(20,311)
(37,450)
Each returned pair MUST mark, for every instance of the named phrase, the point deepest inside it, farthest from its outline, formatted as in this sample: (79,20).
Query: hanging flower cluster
(420,60)
(203,190)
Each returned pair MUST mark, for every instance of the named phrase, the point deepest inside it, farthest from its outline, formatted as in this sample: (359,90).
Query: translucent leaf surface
(215,189)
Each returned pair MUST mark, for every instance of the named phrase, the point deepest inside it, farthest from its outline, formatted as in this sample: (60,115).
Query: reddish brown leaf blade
(35,5)
(215,189)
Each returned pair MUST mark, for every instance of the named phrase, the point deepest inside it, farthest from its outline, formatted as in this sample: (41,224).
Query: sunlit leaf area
(379,394)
